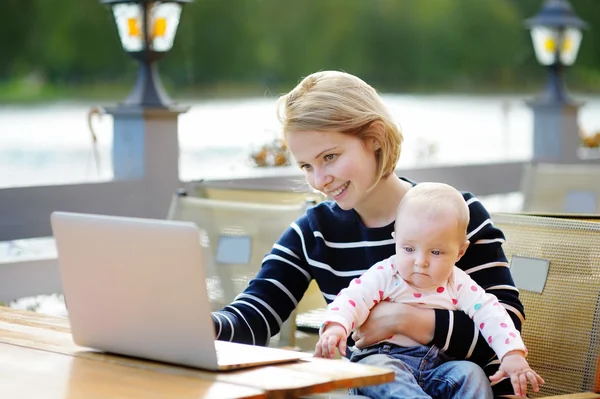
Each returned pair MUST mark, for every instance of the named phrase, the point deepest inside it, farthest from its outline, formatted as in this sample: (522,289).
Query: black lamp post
(556,36)
(147,29)
(145,125)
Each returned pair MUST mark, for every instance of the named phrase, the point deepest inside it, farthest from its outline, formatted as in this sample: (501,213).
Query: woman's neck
(379,208)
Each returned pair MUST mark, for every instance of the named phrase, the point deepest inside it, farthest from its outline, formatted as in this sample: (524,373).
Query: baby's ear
(463,249)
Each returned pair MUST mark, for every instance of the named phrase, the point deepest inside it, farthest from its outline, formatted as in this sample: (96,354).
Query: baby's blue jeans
(422,372)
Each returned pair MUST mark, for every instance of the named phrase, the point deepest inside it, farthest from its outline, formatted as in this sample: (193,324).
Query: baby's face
(427,248)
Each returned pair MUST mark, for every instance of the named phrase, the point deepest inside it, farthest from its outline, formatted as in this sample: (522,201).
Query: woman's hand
(388,318)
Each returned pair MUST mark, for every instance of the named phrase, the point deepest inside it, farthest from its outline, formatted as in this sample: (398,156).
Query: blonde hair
(332,101)
(433,199)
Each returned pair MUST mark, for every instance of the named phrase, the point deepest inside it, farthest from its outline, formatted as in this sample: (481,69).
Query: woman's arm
(257,313)
(389,318)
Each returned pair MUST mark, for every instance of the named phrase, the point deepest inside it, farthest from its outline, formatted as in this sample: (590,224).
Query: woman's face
(339,165)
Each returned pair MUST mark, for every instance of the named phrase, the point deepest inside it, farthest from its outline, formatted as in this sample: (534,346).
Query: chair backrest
(560,188)
(238,236)
(555,263)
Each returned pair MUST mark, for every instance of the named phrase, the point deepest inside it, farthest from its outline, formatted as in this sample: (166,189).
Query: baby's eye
(408,249)
(436,252)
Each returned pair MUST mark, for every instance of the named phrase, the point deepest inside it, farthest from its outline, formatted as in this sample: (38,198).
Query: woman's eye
(305,167)
(329,157)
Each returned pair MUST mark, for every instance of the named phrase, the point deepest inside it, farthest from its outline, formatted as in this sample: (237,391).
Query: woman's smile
(337,192)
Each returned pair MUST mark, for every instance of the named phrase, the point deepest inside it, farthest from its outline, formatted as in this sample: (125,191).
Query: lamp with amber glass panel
(556,35)
(147,30)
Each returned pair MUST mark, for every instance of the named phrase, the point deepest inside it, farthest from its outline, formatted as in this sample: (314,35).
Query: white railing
(25,211)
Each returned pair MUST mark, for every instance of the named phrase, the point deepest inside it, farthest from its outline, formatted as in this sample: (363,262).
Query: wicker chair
(237,235)
(556,265)
(561,188)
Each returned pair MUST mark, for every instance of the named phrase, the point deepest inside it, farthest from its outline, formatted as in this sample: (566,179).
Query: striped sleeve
(258,313)
(486,263)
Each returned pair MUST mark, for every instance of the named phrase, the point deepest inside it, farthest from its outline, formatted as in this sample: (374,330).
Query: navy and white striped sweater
(333,246)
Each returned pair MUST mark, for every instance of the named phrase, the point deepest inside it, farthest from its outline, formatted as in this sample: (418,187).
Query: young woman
(343,138)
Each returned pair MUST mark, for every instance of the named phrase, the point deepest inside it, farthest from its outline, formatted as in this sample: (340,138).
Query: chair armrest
(582,395)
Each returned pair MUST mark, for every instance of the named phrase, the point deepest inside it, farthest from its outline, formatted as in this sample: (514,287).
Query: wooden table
(39,359)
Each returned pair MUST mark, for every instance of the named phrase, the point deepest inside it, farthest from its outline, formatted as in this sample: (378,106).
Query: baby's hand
(515,366)
(333,335)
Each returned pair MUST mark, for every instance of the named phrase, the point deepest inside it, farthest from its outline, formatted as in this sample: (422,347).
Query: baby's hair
(332,101)
(433,199)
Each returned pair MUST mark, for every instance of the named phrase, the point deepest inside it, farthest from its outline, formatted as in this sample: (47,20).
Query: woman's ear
(376,130)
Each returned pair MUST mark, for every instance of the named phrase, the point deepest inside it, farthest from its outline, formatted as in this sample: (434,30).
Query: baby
(430,235)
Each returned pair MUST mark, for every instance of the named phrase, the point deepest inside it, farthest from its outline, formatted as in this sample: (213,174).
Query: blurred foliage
(259,46)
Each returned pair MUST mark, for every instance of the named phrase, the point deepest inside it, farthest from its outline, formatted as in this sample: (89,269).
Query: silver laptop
(137,287)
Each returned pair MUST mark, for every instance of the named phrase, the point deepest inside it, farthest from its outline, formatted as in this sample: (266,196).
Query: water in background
(51,144)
